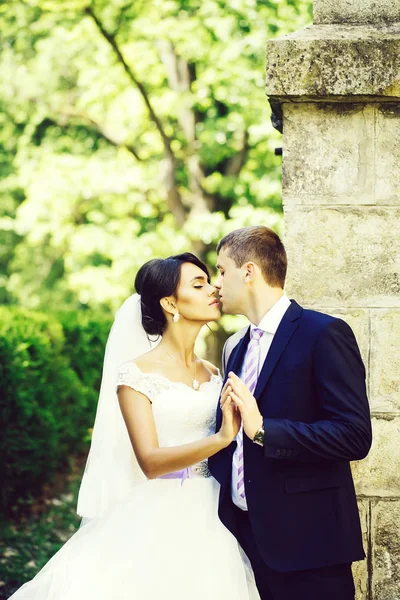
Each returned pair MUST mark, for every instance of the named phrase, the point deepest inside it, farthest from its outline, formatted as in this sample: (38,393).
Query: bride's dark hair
(157,279)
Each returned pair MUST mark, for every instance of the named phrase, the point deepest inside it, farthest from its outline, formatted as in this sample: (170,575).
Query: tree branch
(178,75)
(173,196)
(236,162)
(113,43)
(69,112)
(180,80)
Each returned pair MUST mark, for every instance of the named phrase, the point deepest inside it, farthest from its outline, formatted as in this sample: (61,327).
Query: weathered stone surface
(329,154)
(344,256)
(335,60)
(387,154)
(385,360)
(386,550)
(360,569)
(379,473)
(341,154)
(338,86)
(356,11)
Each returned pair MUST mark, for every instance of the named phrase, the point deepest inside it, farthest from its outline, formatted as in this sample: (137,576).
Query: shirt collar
(270,321)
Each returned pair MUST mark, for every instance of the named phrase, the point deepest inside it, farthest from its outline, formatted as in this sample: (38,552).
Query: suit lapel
(234,364)
(236,358)
(286,329)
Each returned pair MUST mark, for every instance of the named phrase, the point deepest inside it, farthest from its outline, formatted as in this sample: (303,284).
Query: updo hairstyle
(157,279)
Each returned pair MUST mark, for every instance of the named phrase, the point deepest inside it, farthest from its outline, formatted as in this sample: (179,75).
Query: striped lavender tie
(250,376)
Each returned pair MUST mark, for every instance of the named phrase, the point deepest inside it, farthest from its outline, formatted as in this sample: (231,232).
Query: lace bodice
(181,414)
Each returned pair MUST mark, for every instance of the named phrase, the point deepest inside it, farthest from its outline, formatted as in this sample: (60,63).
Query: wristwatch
(259,436)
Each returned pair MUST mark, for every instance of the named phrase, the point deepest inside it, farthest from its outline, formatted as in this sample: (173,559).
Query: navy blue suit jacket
(299,488)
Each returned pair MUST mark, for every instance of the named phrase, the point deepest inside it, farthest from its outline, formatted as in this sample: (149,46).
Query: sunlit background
(128,130)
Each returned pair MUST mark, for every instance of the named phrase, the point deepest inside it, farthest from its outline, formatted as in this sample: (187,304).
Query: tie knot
(256,334)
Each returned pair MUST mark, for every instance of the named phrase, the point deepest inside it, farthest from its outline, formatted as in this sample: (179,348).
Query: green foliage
(46,406)
(129,130)
(85,335)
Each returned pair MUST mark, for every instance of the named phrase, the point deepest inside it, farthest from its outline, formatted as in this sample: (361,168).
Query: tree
(131,129)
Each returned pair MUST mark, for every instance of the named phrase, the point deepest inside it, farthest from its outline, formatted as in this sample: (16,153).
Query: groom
(287,492)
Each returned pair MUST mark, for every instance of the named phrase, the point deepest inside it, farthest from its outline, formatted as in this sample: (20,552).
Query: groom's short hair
(260,245)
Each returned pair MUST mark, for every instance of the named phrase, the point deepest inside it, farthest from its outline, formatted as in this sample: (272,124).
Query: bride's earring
(176,317)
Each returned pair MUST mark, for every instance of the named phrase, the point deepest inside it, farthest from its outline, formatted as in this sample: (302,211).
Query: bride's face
(196,297)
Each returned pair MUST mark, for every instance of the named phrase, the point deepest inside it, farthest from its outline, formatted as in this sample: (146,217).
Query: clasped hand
(237,392)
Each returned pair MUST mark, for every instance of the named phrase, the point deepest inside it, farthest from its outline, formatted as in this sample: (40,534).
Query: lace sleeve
(129,374)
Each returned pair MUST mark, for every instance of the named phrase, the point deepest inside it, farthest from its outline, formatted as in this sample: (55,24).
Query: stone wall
(350,11)
(338,87)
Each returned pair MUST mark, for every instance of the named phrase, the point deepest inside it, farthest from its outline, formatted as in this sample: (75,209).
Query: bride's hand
(246,403)
(231,418)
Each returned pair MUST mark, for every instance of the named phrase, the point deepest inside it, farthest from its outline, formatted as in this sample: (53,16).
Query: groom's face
(230,284)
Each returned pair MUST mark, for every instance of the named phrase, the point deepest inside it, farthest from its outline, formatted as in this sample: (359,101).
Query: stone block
(387,154)
(386,550)
(329,154)
(360,568)
(385,360)
(344,256)
(323,61)
(336,153)
(356,11)
(379,473)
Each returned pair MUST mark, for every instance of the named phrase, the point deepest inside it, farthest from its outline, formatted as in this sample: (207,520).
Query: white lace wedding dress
(164,542)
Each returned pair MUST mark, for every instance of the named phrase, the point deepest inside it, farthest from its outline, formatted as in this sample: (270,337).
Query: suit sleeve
(343,431)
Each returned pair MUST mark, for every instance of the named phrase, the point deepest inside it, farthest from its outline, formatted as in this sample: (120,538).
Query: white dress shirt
(269,324)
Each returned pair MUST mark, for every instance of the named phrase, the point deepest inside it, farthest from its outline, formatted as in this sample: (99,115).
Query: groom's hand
(246,403)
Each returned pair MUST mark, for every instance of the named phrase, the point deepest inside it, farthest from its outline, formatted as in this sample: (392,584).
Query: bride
(150,527)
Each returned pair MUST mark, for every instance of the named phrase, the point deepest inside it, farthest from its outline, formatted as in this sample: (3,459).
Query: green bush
(85,338)
(50,371)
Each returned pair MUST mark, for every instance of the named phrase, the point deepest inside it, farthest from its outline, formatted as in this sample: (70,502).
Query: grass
(25,547)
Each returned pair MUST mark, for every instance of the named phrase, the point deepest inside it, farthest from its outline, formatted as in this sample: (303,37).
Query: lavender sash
(183,474)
